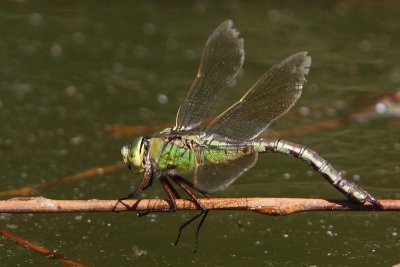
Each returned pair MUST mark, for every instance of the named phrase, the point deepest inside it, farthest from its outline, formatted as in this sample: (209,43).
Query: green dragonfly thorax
(170,153)
(133,155)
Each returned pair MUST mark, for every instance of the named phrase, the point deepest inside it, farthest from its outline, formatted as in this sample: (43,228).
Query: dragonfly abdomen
(319,164)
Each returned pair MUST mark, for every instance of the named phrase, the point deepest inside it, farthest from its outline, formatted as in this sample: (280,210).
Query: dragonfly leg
(184,185)
(172,196)
(183,180)
(144,183)
(149,183)
(319,164)
(203,213)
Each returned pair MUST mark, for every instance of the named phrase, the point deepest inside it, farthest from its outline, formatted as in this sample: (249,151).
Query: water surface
(69,70)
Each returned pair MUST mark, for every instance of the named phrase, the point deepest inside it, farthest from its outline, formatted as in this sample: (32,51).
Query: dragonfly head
(132,155)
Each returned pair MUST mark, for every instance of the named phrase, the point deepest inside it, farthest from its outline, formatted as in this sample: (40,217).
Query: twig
(41,250)
(390,101)
(66,179)
(267,206)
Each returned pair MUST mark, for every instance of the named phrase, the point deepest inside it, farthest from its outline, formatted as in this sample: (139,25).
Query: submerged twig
(267,206)
(66,179)
(36,248)
(387,105)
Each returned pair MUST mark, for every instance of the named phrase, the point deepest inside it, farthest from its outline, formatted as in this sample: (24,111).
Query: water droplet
(304,111)
(56,50)
(162,99)
(286,176)
(35,19)
(149,29)
(118,67)
(330,111)
(380,108)
(397,146)
(138,252)
(365,45)
(190,54)
(76,140)
(71,90)
(11,226)
(274,15)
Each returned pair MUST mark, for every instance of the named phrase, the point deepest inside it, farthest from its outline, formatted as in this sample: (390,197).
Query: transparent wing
(212,175)
(269,98)
(221,60)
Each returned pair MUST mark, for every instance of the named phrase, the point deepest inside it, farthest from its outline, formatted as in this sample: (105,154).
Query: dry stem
(268,206)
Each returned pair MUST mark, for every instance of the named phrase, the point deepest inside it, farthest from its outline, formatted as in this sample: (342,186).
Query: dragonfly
(215,153)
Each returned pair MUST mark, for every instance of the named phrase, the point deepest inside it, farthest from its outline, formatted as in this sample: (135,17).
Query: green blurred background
(70,69)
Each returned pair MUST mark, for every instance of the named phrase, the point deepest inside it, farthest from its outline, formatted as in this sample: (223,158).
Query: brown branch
(41,250)
(267,206)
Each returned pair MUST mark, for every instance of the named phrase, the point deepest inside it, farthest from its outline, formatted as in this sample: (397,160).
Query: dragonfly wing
(214,176)
(221,61)
(268,99)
